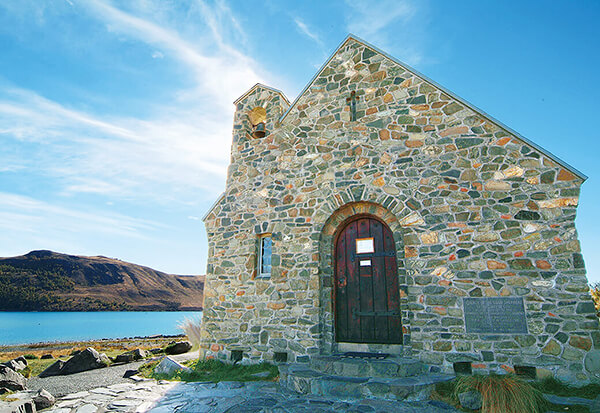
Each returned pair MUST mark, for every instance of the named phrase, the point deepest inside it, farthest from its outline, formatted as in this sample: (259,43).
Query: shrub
(191,328)
(30,356)
(503,394)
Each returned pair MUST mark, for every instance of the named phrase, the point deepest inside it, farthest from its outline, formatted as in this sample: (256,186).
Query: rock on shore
(87,359)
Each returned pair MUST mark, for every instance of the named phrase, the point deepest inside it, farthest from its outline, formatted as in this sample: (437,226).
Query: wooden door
(367,297)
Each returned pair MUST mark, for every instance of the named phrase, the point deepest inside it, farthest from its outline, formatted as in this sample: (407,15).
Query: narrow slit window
(264,255)
(351,102)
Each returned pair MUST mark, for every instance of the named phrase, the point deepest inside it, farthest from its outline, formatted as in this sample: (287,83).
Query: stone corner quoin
(475,212)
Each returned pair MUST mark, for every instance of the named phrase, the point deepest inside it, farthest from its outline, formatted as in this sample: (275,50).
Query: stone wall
(475,211)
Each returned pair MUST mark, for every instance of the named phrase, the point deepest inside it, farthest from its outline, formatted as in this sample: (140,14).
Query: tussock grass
(191,328)
(503,394)
(448,392)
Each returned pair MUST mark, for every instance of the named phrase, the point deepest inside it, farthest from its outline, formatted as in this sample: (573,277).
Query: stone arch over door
(331,228)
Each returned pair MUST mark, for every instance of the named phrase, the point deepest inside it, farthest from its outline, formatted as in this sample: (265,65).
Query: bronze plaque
(495,315)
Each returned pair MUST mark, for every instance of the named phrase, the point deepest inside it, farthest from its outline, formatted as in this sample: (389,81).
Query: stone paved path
(224,397)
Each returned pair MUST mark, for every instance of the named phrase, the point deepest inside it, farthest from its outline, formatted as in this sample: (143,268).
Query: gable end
(452,95)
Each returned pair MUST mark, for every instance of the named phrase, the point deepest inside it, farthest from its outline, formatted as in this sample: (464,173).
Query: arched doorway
(366,292)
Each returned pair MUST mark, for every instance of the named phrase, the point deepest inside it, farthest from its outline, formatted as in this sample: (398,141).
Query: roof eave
(264,87)
(213,206)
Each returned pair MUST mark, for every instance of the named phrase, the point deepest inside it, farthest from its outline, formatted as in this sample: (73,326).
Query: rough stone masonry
(475,210)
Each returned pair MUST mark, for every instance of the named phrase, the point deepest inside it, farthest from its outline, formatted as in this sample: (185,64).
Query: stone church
(381,213)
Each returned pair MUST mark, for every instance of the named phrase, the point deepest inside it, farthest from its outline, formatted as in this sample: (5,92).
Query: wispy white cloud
(43,113)
(391,24)
(27,224)
(374,16)
(303,28)
(22,213)
(120,157)
(222,74)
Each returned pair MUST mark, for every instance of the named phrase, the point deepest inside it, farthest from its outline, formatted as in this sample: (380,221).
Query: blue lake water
(33,327)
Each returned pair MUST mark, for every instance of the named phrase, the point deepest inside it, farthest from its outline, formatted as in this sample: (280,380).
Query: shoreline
(37,329)
(44,343)
(58,348)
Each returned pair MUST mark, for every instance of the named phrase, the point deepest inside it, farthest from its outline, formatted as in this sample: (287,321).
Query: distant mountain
(50,281)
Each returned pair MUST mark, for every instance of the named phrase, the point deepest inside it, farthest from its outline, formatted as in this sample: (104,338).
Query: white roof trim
(264,87)
(213,206)
(556,159)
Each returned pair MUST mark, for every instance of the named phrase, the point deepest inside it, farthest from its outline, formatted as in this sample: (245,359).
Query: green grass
(35,367)
(571,408)
(147,369)
(215,371)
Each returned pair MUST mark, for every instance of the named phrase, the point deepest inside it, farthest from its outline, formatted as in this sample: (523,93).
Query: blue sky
(115,117)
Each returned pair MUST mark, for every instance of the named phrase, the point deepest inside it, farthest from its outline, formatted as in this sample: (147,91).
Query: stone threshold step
(390,367)
(302,379)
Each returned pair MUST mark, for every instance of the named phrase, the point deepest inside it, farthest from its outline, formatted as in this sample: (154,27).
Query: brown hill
(50,281)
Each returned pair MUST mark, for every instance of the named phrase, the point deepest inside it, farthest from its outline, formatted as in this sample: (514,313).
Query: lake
(34,327)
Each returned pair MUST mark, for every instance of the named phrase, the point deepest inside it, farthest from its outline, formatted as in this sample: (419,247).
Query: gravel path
(86,380)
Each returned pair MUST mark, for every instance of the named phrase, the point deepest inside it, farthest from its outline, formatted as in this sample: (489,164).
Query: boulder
(156,350)
(139,354)
(105,359)
(11,379)
(43,399)
(124,358)
(4,390)
(53,370)
(470,400)
(130,356)
(17,364)
(47,356)
(130,373)
(178,348)
(87,359)
(168,367)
